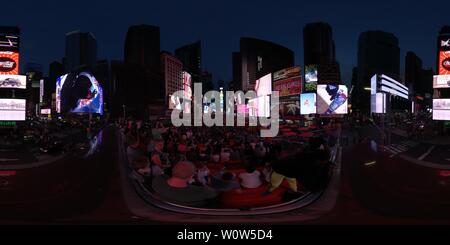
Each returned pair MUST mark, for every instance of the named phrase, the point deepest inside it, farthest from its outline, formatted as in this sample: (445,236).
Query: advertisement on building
(441,109)
(332,99)
(294,71)
(444,63)
(13,81)
(308,103)
(311,78)
(79,93)
(9,42)
(12,109)
(9,63)
(290,106)
(187,87)
(264,85)
(441,81)
(288,87)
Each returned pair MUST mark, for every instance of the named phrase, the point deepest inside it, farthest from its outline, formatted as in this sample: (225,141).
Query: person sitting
(177,189)
(203,174)
(225,181)
(251,177)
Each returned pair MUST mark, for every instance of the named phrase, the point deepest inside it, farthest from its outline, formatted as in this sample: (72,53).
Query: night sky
(220,24)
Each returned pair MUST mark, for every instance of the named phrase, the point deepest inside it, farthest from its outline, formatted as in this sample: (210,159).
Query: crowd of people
(194,166)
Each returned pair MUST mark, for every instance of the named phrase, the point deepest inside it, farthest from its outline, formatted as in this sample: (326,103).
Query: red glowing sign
(444,63)
(9,63)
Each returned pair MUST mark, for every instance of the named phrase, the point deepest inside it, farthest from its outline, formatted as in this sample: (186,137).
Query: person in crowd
(203,174)
(251,177)
(178,189)
(225,181)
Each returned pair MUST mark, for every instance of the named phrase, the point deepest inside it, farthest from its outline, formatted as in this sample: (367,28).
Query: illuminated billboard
(46,111)
(444,63)
(294,71)
(378,103)
(264,85)
(288,87)
(441,81)
(311,78)
(441,109)
(308,103)
(9,42)
(187,87)
(332,99)
(79,93)
(12,109)
(9,63)
(259,107)
(13,81)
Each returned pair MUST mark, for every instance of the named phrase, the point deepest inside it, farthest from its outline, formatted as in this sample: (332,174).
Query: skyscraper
(378,53)
(142,46)
(191,57)
(81,51)
(260,57)
(236,83)
(172,69)
(318,44)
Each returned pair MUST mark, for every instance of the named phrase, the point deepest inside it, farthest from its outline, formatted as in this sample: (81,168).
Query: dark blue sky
(219,24)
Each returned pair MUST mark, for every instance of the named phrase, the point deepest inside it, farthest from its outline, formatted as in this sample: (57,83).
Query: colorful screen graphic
(79,93)
(9,63)
(441,109)
(311,78)
(332,99)
(288,87)
(308,103)
(444,63)
(13,81)
(12,109)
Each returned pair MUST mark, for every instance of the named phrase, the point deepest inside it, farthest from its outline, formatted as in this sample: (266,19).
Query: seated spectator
(251,177)
(178,190)
(267,172)
(203,174)
(133,150)
(225,181)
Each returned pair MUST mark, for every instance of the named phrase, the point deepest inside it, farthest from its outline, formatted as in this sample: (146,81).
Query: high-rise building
(236,83)
(378,53)
(207,82)
(260,57)
(81,51)
(172,70)
(142,46)
(191,57)
(318,44)
(413,72)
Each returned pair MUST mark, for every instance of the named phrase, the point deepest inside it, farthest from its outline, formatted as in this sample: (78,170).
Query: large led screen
(294,71)
(311,78)
(441,81)
(332,99)
(12,109)
(288,87)
(9,42)
(441,109)
(444,63)
(308,104)
(378,103)
(9,63)
(79,93)
(264,85)
(13,81)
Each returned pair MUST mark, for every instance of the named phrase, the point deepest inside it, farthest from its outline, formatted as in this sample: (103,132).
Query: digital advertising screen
(290,106)
(12,109)
(13,81)
(378,103)
(294,71)
(308,103)
(9,63)
(79,93)
(46,111)
(441,81)
(9,42)
(264,85)
(441,109)
(288,87)
(332,99)
(311,78)
(444,63)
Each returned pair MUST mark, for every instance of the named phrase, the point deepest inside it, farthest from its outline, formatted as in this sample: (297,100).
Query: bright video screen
(378,103)
(9,42)
(332,99)
(12,109)
(288,87)
(441,81)
(9,63)
(444,63)
(311,78)
(441,109)
(294,71)
(264,85)
(79,93)
(46,111)
(308,103)
(13,81)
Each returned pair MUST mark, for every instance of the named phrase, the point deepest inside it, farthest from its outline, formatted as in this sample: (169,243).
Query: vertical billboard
(311,78)
(187,87)
(332,99)
(79,93)
(12,109)
(264,85)
(308,103)
(441,109)
(444,63)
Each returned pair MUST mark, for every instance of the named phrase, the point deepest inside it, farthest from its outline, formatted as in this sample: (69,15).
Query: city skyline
(220,34)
